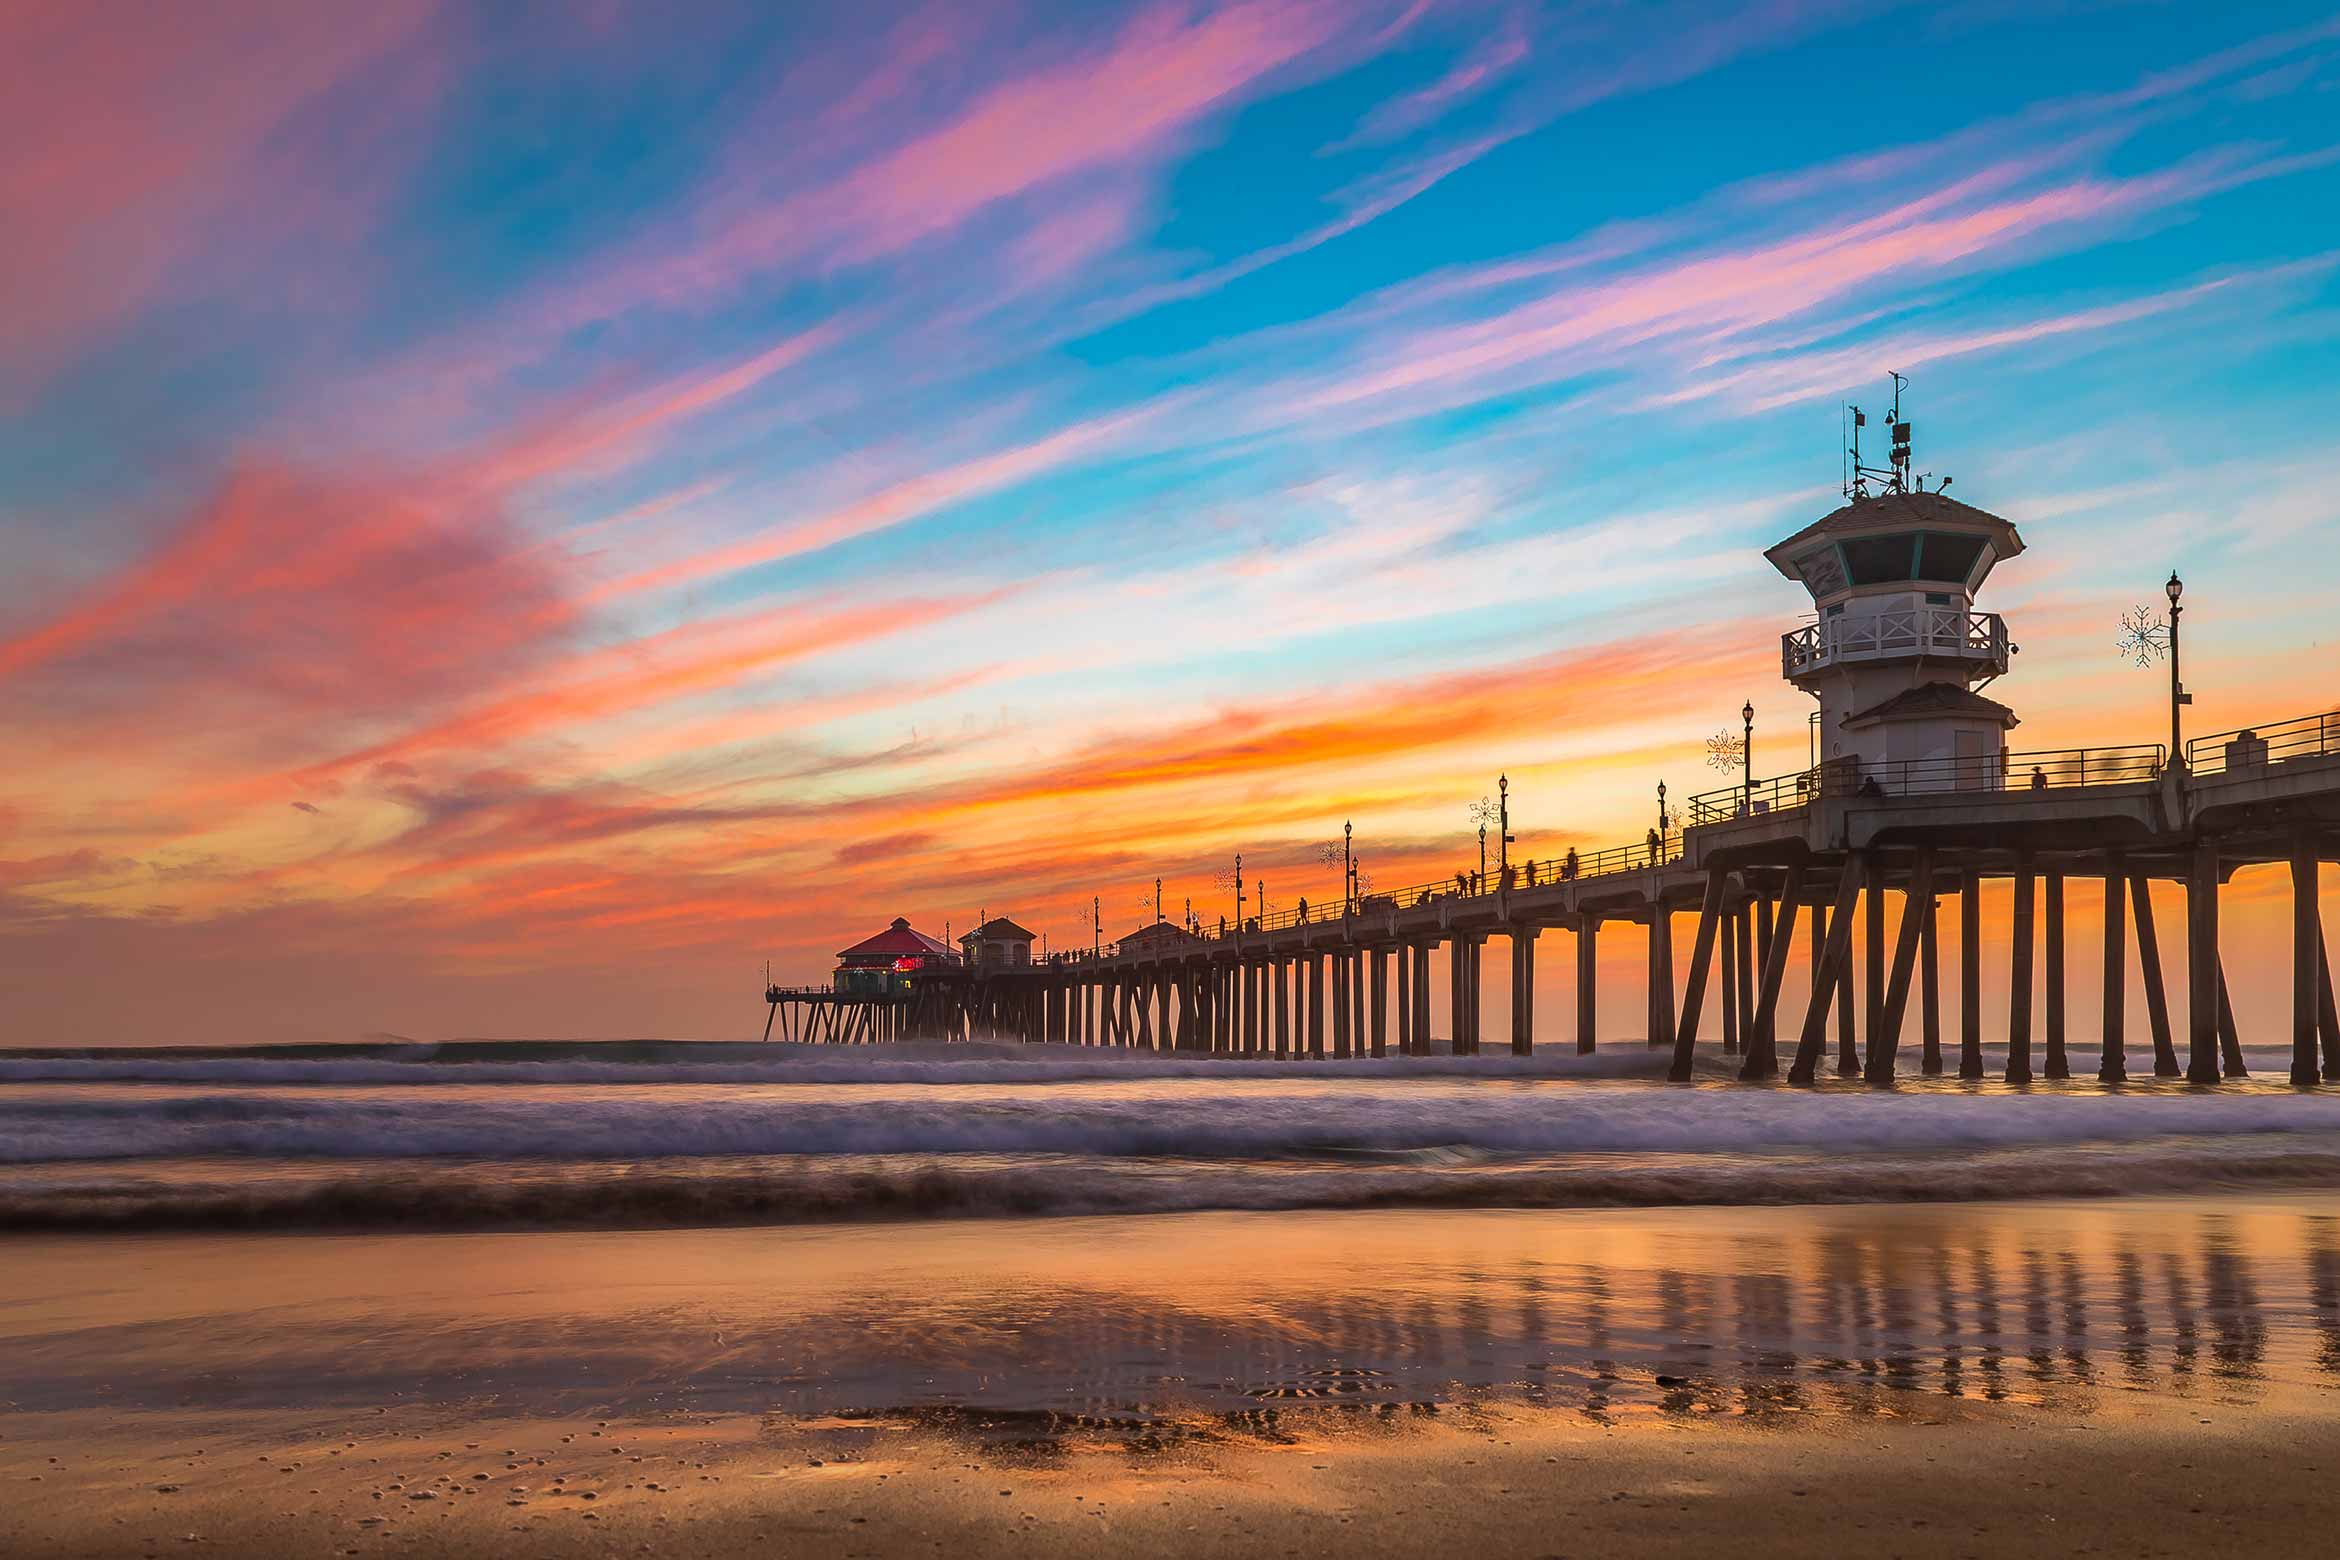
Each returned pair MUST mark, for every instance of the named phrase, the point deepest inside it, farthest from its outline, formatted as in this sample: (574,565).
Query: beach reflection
(1135,1327)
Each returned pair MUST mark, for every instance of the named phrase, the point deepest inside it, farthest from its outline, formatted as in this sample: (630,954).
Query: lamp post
(1747,750)
(1662,820)
(1502,823)
(2177,694)
(1482,853)
(1348,871)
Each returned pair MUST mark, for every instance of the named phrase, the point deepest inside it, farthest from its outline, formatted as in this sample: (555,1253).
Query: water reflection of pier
(1844,1324)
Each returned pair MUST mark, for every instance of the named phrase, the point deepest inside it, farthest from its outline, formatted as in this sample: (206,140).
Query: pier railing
(1570,867)
(2046,769)
(2255,747)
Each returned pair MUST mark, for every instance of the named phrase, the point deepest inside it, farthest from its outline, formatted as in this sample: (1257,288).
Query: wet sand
(1949,1480)
(2142,1377)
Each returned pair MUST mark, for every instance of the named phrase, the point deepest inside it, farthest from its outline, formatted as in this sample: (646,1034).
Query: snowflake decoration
(1487,812)
(2144,636)
(1725,751)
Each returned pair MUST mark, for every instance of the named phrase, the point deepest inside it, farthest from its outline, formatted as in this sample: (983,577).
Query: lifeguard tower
(1895,651)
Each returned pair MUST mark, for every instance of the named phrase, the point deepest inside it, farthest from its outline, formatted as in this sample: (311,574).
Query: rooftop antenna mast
(1894,476)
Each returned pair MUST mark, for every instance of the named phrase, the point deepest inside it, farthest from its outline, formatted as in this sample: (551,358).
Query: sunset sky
(516,515)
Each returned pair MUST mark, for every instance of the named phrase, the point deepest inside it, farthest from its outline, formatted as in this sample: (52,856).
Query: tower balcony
(1972,639)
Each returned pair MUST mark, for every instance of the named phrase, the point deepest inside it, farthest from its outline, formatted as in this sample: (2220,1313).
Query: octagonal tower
(1895,650)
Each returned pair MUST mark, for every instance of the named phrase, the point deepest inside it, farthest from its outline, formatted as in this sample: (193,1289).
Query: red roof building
(885,962)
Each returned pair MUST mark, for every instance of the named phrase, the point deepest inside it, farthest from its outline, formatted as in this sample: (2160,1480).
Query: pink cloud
(1732,291)
(903,501)
(129,126)
(1109,106)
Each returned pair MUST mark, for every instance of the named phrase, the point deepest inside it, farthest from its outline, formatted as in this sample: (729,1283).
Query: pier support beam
(2202,965)
(1970,1063)
(2165,1062)
(1283,1003)
(1408,1041)
(1523,991)
(1380,1030)
(1316,1006)
(1661,975)
(1763,1026)
(1422,999)
(1588,934)
(2113,1062)
(2307,960)
(1835,957)
(1743,945)
(1340,1002)
(2019,974)
(1884,1054)
(1873,963)
(2229,1042)
(1930,985)
(1710,911)
(2328,1015)
(2058,1066)
(1730,978)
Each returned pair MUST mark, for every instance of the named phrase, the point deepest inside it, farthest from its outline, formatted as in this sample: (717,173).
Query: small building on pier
(997,944)
(884,964)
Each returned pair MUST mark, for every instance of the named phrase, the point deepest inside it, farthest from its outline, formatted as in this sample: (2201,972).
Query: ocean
(550,1135)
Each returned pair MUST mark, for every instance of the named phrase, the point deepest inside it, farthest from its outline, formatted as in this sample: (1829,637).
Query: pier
(1914,797)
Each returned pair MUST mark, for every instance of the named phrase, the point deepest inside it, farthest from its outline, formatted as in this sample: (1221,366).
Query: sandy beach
(2139,1478)
(2149,1376)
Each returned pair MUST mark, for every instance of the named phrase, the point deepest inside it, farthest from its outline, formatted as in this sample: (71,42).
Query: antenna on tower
(1854,484)
(1899,454)
(1894,475)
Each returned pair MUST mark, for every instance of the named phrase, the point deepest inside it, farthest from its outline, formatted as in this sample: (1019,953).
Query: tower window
(1946,555)
(1877,560)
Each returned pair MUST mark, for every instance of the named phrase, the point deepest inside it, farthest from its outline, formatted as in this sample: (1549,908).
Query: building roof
(1158,930)
(1929,700)
(1897,511)
(999,926)
(896,940)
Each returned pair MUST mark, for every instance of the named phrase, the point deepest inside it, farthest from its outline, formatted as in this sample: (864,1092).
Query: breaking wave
(1196,1123)
(683,1062)
(479,1197)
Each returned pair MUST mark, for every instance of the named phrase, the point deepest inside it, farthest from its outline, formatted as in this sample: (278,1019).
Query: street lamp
(2177,694)
(1661,807)
(1747,749)
(1502,824)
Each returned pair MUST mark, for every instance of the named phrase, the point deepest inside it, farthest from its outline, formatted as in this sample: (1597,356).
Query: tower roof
(1885,513)
(1929,700)
(999,926)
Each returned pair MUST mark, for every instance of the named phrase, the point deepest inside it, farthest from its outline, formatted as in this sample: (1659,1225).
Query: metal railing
(2046,769)
(1574,866)
(2255,747)
(1944,632)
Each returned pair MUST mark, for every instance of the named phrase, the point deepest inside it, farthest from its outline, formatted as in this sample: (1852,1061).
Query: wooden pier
(1753,862)
(1913,796)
